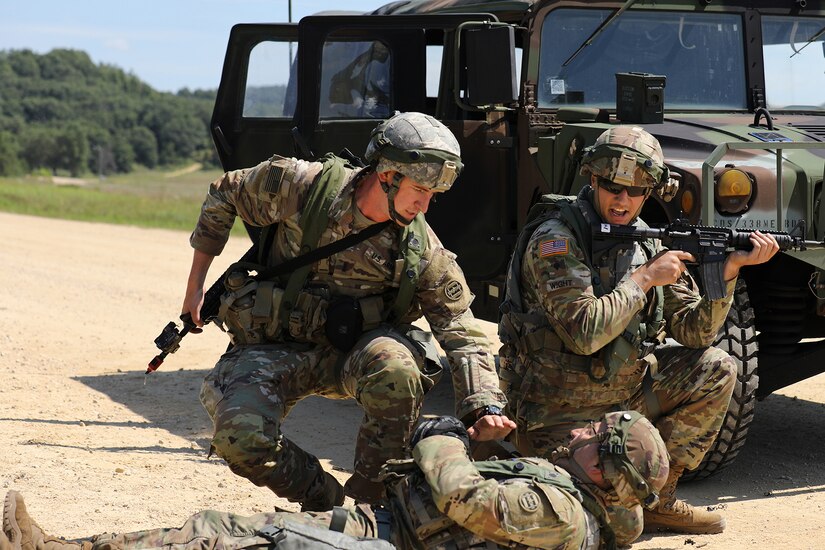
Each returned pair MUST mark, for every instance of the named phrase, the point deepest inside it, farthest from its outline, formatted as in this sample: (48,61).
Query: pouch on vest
(299,536)
(345,322)
(423,342)
(247,309)
(622,350)
(307,318)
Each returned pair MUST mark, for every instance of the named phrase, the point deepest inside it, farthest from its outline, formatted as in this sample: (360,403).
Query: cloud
(118,43)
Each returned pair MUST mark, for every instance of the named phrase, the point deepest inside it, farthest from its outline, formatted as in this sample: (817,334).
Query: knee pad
(245,439)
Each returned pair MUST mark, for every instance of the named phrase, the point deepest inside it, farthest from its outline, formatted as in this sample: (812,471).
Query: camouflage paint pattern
(256,387)
(693,383)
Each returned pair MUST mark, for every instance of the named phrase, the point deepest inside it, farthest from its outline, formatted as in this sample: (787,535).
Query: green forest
(61,113)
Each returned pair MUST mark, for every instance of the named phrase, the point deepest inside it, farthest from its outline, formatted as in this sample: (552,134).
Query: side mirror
(490,67)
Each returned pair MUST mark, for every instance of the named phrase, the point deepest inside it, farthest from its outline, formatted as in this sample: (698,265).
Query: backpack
(300,536)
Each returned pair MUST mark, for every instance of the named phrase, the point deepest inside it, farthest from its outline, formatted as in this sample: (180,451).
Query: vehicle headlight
(734,189)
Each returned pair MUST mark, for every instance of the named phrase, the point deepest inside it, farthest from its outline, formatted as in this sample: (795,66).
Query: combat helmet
(632,457)
(629,155)
(417,146)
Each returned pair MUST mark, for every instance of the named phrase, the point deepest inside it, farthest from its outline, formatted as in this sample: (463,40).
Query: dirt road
(95,446)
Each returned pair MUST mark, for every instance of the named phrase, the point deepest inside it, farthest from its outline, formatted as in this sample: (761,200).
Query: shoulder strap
(525,469)
(314,220)
(414,242)
(312,256)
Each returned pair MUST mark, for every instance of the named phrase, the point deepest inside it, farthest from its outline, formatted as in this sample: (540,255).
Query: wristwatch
(488,410)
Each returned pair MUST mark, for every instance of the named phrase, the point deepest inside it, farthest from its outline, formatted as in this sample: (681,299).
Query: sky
(169,44)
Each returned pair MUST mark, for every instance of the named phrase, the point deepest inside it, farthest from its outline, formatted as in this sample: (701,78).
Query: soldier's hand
(764,248)
(443,425)
(491,427)
(665,268)
(192,303)
(193,298)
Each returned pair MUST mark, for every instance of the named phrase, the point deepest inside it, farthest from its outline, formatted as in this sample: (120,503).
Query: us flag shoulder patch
(553,248)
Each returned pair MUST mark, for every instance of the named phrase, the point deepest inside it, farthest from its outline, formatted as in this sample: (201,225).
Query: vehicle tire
(738,337)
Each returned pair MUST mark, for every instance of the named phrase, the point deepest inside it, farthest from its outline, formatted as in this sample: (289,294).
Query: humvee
(734,90)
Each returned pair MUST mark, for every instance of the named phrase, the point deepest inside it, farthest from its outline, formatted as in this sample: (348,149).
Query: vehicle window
(701,54)
(270,81)
(355,80)
(435,55)
(794,62)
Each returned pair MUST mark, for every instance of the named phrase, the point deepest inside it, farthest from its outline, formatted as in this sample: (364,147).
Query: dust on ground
(95,446)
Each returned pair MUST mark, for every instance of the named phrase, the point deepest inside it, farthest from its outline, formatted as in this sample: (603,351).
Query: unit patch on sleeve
(554,247)
(453,290)
(529,501)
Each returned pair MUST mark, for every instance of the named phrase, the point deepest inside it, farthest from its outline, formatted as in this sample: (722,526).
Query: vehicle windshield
(794,63)
(700,54)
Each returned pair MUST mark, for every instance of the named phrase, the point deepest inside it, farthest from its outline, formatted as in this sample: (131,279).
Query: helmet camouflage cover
(633,457)
(417,146)
(626,155)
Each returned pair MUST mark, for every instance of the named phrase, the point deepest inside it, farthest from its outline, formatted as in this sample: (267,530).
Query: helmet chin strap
(563,456)
(392,190)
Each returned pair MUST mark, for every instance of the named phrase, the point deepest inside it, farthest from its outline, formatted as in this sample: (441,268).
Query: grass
(146,198)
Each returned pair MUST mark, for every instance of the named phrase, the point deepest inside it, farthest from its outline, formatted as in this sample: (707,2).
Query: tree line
(63,113)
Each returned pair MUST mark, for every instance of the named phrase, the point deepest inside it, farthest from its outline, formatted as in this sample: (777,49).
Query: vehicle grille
(817,130)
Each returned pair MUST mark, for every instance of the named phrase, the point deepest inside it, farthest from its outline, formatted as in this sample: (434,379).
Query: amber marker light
(688,201)
(734,189)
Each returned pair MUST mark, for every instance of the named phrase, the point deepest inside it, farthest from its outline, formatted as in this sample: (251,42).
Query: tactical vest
(637,340)
(423,526)
(255,311)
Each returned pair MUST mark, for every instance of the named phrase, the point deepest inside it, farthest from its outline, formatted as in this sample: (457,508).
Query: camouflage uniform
(253,387)
(577,308)
(438,500)
(510,513)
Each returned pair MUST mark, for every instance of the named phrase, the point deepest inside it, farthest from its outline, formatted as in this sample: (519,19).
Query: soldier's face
(412,198)
(619,209)
(588,455)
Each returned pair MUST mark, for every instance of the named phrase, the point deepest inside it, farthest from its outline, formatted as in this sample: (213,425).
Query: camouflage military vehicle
(733,90)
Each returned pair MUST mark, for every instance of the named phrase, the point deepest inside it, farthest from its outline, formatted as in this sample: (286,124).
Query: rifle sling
(316,254)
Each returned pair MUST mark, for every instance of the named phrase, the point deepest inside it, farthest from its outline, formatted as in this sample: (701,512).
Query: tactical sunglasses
(616,189)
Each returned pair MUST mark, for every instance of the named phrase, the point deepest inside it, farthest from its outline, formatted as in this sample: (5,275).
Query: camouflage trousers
(252,389)
(686,399)
(210,530)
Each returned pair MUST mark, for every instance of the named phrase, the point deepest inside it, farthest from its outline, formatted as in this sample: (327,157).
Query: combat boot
(324,494)
(22,533)
(673,514)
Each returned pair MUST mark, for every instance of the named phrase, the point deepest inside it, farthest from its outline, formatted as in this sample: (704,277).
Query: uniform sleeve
(692,319)
(445,299)
(555,275)
(535,515)
(260,196)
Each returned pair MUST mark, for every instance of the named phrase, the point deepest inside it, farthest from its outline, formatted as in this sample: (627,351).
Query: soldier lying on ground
(442,500)
(341,326)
